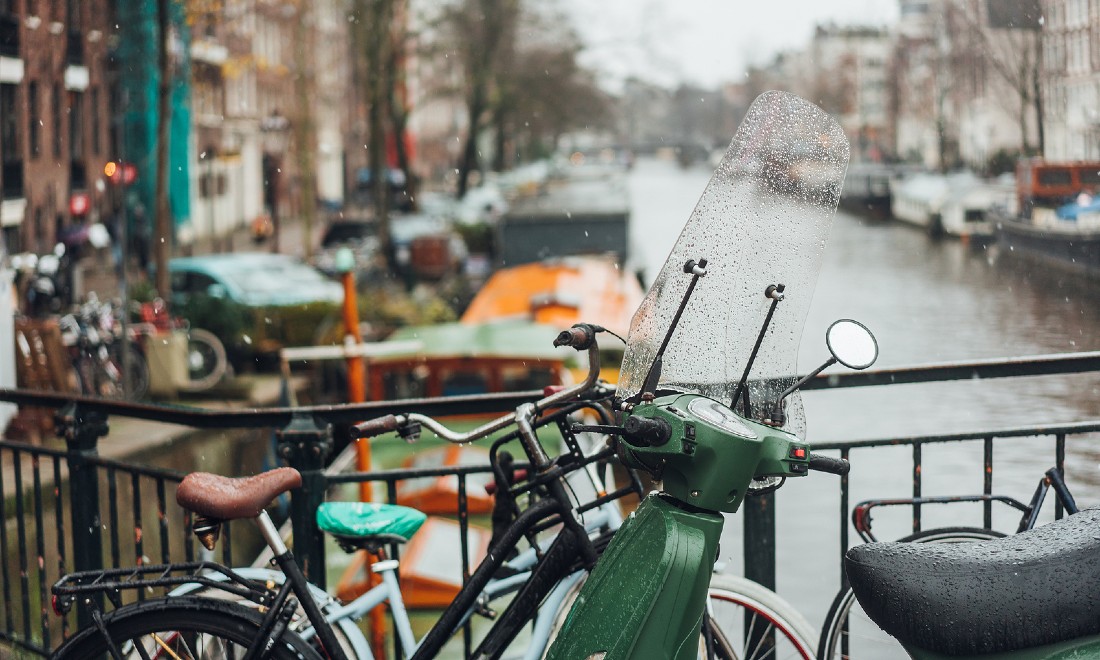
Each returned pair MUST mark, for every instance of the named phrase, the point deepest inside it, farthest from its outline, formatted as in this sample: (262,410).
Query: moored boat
(965,212)
(867,186)
(1059,219)
(561,292)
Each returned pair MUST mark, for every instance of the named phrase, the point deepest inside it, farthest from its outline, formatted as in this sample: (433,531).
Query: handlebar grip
(646,432)
(580,337)
(373,427)
(837,466)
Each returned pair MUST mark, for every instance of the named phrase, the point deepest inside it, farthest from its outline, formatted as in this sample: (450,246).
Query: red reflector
(56,606)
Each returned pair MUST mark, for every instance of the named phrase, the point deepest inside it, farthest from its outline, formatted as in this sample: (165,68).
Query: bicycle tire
(180,626)
(206,360)
(139,372)
(739,607)
(348,635)
(844,607)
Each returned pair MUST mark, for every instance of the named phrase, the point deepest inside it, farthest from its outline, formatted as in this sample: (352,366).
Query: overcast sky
(706,42)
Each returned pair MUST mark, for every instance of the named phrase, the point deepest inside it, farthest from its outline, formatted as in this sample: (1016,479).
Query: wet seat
(368,525)
(1035,588)
(226,498)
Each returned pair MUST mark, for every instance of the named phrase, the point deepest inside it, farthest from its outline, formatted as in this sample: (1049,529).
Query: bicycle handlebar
(837,466)
(581,336)
(373,427)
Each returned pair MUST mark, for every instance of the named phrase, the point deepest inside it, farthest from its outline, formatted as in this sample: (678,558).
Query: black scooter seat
(1035,588)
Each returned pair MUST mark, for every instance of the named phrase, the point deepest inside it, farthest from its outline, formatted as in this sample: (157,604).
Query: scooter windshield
(763,219)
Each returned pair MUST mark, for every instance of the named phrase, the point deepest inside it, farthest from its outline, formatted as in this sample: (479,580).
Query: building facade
(1071,79)
(55,119)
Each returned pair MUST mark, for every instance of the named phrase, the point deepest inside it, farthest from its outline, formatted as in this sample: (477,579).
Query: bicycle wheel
(184,628)
(139,372)
(350,637)
(743,614)
(206,360)
(849,633)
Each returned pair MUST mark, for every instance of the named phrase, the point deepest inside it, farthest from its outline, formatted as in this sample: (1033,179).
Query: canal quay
(928,300)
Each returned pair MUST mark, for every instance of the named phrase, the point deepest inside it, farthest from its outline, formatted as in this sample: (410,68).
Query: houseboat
(965,211)
(1058,222)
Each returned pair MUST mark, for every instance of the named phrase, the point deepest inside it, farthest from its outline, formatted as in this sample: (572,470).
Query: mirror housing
(851,344)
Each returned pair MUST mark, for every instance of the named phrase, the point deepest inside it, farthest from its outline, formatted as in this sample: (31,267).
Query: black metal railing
(70,509)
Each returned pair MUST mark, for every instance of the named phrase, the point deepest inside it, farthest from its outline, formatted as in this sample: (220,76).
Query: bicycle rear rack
(112,582)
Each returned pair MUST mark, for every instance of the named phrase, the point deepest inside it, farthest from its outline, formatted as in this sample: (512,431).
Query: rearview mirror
(852,344)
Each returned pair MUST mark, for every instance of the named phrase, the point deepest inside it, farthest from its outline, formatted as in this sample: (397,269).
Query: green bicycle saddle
(369,521)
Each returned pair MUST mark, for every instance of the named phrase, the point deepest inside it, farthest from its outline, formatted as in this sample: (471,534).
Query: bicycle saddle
(1038,587)
(368,525)
(224,498)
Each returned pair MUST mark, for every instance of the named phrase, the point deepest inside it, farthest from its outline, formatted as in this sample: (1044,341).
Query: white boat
(956,204)
(964,213)
(917,199)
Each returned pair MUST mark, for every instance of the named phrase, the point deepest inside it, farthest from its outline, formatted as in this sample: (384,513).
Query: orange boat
(561,292)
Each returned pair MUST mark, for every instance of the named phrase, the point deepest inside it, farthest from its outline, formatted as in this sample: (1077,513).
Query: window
(9,121)
(76,126)
(34,134)
(97,134)
(58,142)
(11,175)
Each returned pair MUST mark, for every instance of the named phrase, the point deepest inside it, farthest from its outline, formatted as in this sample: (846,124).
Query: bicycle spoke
(160,642)
(761,642)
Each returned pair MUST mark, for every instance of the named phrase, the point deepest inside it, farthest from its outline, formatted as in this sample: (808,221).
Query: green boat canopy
(513,338)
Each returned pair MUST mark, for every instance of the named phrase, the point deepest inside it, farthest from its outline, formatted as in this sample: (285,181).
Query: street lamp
(276,132)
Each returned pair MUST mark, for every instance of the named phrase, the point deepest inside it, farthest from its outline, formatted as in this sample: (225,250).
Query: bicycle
(91,334)
(347,521)
(847,631)
(206,360)
(233,499)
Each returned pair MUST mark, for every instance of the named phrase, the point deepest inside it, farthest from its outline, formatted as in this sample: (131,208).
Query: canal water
(926,301)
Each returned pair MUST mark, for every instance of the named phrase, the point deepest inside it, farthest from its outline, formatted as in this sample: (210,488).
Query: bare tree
(1014,55)
(372,56)
(477,32)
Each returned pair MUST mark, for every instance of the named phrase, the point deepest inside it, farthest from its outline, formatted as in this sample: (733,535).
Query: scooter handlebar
(838,466)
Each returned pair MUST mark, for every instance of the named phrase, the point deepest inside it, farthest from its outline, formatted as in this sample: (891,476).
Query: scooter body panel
(646,597)
(1083,648)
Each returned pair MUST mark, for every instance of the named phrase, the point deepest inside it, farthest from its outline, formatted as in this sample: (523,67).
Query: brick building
(55,128)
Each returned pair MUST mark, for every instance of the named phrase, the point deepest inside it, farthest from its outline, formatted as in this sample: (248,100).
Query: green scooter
(689,413)
(691,416)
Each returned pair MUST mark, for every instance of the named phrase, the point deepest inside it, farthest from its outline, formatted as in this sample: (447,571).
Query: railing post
(305,445)
(758,546)
(759,539)
(81,429)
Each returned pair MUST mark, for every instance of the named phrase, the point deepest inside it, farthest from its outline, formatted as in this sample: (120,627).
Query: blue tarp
(1071,211)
